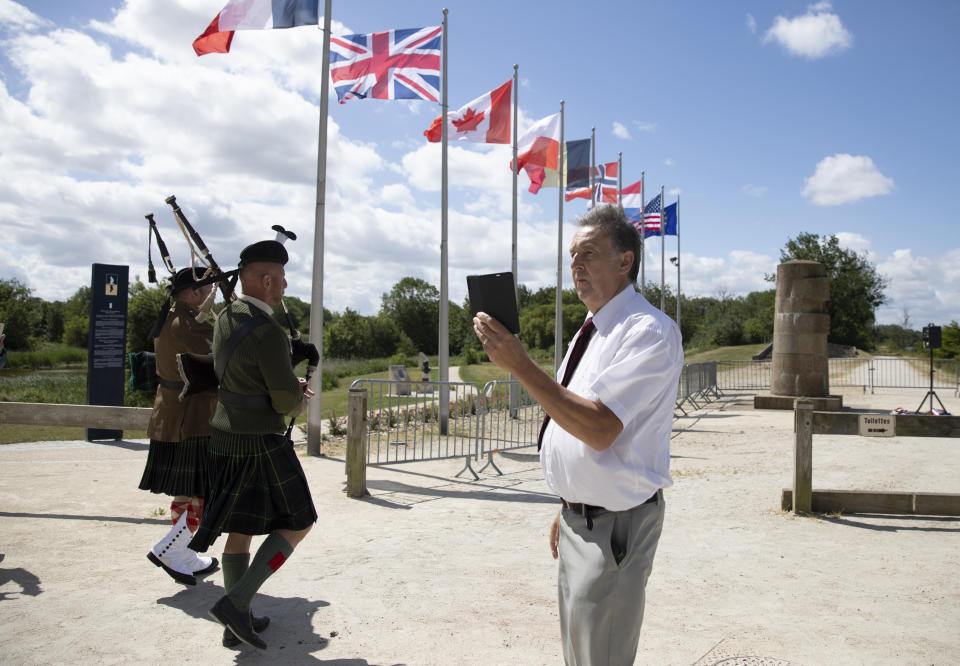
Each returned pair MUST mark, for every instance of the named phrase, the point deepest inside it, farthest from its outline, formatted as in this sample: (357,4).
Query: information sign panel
(107,342)
(877,425)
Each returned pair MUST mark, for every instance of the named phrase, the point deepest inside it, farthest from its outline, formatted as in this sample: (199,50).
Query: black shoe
(186,579)
(236,621)
(210,569)
(259,624)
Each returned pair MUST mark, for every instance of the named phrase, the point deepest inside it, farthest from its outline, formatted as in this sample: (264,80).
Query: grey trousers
(602,580)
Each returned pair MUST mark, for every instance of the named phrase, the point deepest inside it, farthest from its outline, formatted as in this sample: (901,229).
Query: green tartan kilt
(255,485)
(176,468)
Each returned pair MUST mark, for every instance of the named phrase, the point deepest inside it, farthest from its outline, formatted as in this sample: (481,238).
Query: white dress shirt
(632,365)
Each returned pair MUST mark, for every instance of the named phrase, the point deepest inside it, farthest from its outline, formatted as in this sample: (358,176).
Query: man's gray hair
(621,232)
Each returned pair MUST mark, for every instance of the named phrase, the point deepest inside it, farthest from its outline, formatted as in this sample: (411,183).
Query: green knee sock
(234,566)
(272,554)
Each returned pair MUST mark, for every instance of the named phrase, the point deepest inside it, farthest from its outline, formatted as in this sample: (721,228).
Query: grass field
(739,353)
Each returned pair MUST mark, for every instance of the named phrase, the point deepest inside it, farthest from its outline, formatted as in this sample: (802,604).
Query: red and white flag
(254,15)
(539,149)
(484,120)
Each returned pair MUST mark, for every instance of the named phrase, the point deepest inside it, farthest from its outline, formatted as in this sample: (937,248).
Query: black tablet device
(496,295)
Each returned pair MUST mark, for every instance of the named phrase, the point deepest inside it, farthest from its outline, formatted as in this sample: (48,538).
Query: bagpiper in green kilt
(255,485)
(176,468)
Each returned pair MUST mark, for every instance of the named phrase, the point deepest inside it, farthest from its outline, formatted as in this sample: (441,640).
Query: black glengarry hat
(184,279)
(267,250)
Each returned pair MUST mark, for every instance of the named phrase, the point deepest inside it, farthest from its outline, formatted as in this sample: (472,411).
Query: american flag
(394,64)
(651,217)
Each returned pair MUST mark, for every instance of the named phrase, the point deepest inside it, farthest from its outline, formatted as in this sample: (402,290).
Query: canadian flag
(484,120)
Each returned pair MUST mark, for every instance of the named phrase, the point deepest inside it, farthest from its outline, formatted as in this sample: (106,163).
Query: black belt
(170,384)
(588,511)
(244,401)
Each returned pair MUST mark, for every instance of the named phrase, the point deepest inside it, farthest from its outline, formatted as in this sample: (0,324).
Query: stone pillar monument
(800,329)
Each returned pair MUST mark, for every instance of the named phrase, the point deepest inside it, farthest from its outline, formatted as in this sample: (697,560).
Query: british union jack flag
(394,64)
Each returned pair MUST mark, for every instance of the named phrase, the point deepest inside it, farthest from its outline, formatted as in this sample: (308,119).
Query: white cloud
(754,190)
(926,287)
(855,242)
(675,192)
(643,126)
(19,17)
(751,23)
(620,130)
(737,274)
(816,34)
(844,178)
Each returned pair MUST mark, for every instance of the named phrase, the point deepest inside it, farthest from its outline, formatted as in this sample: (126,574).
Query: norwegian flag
(651,217)
(394,64)
(604,182)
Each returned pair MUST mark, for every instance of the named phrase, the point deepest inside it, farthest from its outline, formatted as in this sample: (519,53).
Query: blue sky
(767,119)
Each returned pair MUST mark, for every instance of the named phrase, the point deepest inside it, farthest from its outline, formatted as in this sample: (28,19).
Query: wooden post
(357,442)
(803,457)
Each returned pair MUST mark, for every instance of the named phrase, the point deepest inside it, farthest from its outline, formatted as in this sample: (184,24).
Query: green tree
(51,315)
(950,338)
(300,312)
(760,312)
(351,335)
(856,288)
(143,308)
(76,318)
(537,324)
(344,336)
(21,315)
(414,305)
(894,336)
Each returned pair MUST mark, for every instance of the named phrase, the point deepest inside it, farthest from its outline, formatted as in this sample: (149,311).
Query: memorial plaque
(107,342)
(877,425)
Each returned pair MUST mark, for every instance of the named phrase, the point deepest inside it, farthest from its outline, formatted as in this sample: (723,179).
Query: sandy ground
(436,570)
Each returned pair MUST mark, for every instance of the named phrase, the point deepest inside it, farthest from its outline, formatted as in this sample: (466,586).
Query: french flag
(631,198)
(254,15)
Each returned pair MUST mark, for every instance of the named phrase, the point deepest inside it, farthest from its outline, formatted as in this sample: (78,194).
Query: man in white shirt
(606,442)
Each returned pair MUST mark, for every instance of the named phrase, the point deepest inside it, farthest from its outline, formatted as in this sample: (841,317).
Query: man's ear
(626,261)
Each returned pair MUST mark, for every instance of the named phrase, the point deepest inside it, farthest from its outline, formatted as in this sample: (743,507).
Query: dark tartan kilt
(255,485)
(176,468)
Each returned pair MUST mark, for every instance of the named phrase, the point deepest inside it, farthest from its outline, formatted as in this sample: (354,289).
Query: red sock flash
(277,561)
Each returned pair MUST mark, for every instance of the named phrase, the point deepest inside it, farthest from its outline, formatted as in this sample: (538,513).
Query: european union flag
(670,220)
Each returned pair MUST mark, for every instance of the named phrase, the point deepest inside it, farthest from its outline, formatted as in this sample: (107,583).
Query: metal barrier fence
(698,382)
(845,372)
(405,425)
(743,375)
(511,419)
(459,420)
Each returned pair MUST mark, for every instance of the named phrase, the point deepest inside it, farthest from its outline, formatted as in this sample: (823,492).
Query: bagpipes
(197,370)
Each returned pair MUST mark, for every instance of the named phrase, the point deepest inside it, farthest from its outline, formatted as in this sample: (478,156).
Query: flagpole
(678,261)
(314,411)
(514,392)
(643,240)
(620,180)
(662,269)
(513,257)
(558,315)
(444,338)
(593,165)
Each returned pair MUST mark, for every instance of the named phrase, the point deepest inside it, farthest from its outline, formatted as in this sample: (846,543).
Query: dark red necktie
(580,346)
